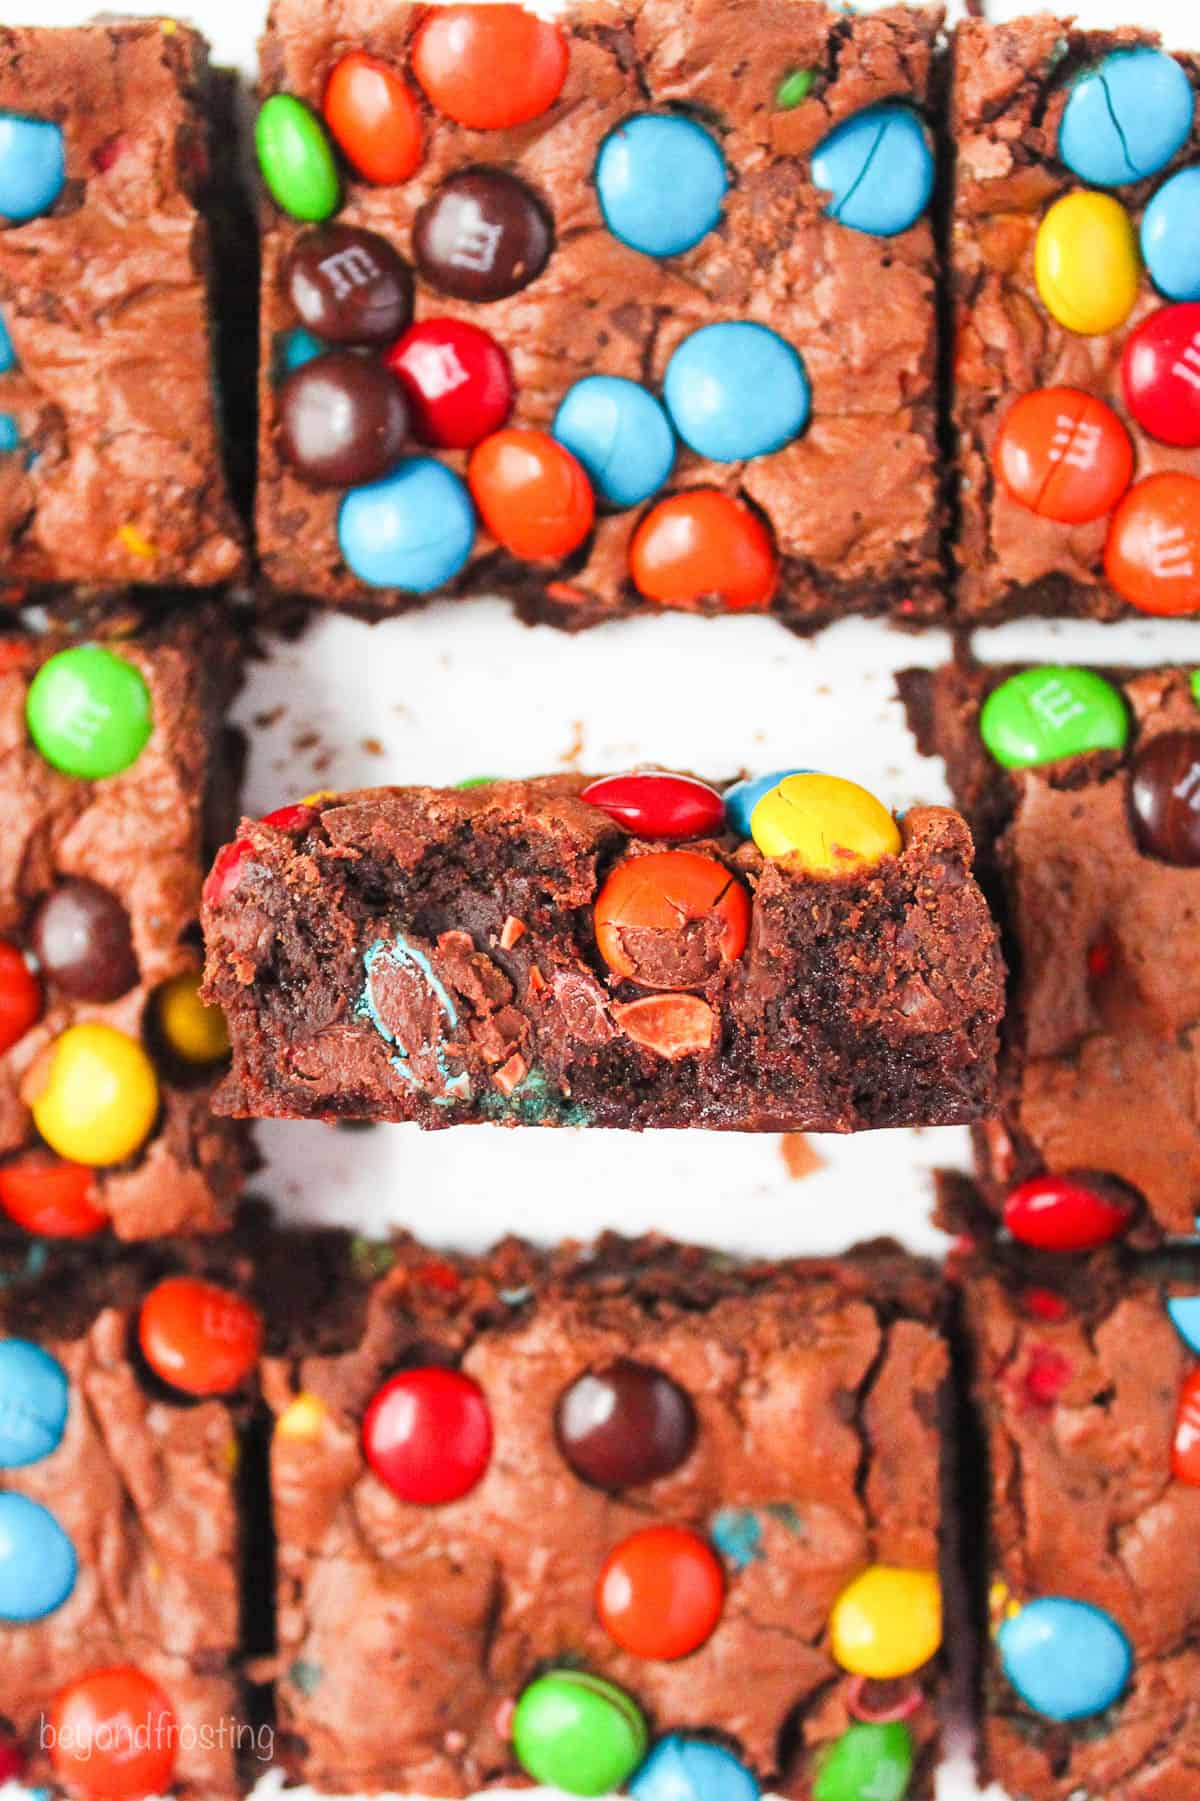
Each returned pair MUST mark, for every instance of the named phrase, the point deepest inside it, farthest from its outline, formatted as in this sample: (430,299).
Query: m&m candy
(291,350)
(457,380)
(660,1592)
(33,1403)
(742,797)
(660,180)
(671,919)
(295,158)
(532,494)
(670,1025)
(1185,1443)
(200,1338)
(703,547)
(868,1759)
(482,236)
(1066,1213)
(1066,1659)
(427,1435)
(95,1097)
(681,1768)
(225,873)
(191,1029)
(1170,241)
(1164,798)
(412,530)
(1064,455)
(577,1732)
(887,1622)
(20,996)
(1126,117)
(8,356)
(625,1425)
(827,824)
(620,434)
(1160,374)
(1086,263)
(489,66)
(348,286)
(113,1736)
(37,1560)
(1184,1313)
(33,166)
(343,420)
(83,941)
(374,117)
(736,390)
(51,1198)
(1049,712)
(878,169)
(652,804)
(89,712)
(1152,557)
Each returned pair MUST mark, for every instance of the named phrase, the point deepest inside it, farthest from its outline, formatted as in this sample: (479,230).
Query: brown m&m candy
(483,235)
(1164,798)
(348,286)
(343,419)
(625,1425)
(82,940)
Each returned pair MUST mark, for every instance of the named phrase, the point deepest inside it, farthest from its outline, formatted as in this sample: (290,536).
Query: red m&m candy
(457,379)
(655,805)
(20,996)
(1152,557)
(374,117)
(1160,372)
(51,1198)
(532,494)
(202,1339)
(113,1736)
(489,66)
(1065,1213)
(704,546)
(1064,455)
(661,1592)
(296,818)
(1185,1447)
(222,878)
(428,1434)
(670,919)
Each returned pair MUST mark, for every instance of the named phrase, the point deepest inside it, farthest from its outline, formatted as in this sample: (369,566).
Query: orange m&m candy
(113,1735)
(201,1339)
(489,66)
(20,996)
(1152,557)
(1064,455)
(532,494)
(1185,1447)
(671,918)
(50,1197)
(701,546)
(661,1592)
(374,117)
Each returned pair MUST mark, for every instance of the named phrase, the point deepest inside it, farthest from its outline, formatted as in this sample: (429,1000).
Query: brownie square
(813,1392)
(1010,85)
(853,503)
(452,955)
(110,469)
(133,845)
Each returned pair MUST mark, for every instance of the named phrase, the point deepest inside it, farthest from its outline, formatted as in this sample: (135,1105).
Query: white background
(462,689)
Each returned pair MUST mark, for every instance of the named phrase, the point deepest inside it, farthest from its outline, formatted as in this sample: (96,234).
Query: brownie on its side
(749,1453)
(100,877)
(512,952)
(850,500)
(1091,857)
(110,463)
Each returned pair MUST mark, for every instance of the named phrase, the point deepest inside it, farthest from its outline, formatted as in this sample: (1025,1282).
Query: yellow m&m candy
(888,1622)
(98,1098)
(1086,263)
(194,1032)
(825,823)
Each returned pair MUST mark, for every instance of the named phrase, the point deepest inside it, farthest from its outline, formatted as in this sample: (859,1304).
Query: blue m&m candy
(878,168)
(412,530)
(33,1403)
(1184,1311)
(37,1560)
(10,433)
(660,182)
(1066,1659)
(1171,237)
(736,390)
(293,349)
(620,434)
(691,1769)
(33,166)
(742,798)
(1126,118)
(8,356)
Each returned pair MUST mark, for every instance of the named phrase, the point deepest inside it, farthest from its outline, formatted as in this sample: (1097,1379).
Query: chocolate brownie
(516,952)
(632,1410)
(1041,112)
(110,464)
(115,780)
(811,519)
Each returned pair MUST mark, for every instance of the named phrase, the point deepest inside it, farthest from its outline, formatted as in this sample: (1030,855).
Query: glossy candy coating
(113,1736)
(681,1768)
(1053,711)
(37,1560)
(878,169)
(652,804)
(1184,1312)
(660,180)
(83,941)
(624,1425)
(577,1732)
(348,286)
(827,824)
(645,912)
(483,235)
(225,873)
(736,390)
(620,434)
(374,117)
(532,494)
(33,1403)
(660,1592)
(868,1759)
(195,1032)
(1086,263)
(295,158)
(701,547)
(457,380)
(1164,798)
(1126,117)
(1065,1213)
(1185,1443)
(1170,241)
(292,349)
(343,420)
(296,818)
(8,356)
(89,712)
(1066,1659)
(742,797)
(33,166)
(1160,374)
(20,996)
(490,66)
(1152,557)
(50,1198)
(100,1095)
(887,1622)
(198,1337)
(427,1434)
(412,530)
(1064,455)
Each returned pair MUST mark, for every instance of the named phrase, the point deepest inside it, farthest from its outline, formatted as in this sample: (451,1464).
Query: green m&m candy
(578,1732)
(868,1760)
(296,159)
(89,713)
(1050,712)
